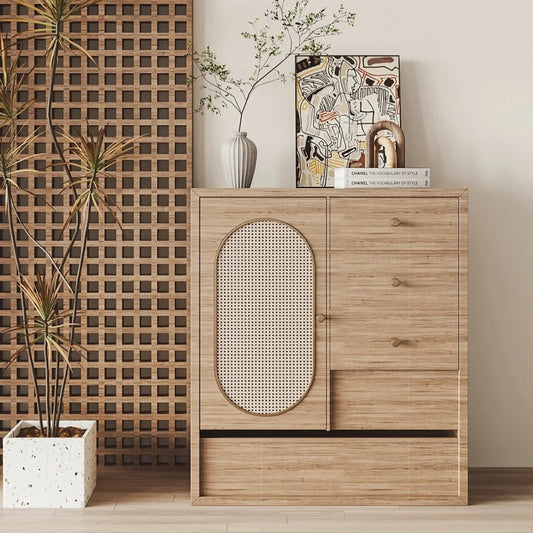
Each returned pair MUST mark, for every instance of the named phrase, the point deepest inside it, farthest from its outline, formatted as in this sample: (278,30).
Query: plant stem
(41,247)
(302,31)
(51,127)
(75,298)
(258,81)
(225,94)
(47,361)
(60,152)
(10,209)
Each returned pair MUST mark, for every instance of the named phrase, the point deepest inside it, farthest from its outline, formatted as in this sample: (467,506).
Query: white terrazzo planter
(49,472)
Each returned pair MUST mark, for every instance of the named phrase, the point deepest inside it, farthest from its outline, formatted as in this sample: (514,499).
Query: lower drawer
(329,470)
(394,400)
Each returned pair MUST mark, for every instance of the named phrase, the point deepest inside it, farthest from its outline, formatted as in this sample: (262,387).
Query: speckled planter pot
(49,473)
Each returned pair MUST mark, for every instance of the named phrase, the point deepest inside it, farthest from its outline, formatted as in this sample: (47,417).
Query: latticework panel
(264,305)
(134,293)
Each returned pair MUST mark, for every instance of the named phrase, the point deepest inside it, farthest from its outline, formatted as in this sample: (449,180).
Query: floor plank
(152,501)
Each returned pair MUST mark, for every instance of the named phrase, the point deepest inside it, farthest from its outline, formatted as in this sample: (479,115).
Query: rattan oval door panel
(264,321)
(263,362)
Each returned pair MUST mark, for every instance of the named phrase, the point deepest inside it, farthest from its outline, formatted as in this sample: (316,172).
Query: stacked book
(346,178)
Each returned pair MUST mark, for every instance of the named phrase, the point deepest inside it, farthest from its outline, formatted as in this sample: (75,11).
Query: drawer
(394,224)
(394,400)
(369,313)
(367,343)
(334,470)
(394,285)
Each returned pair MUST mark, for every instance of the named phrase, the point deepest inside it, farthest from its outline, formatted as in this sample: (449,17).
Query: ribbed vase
(239,156)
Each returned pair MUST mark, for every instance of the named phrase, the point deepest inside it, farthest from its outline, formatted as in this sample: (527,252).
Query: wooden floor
(158,501)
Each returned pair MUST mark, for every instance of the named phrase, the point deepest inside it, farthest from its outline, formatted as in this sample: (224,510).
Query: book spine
(362,182)
(397,173)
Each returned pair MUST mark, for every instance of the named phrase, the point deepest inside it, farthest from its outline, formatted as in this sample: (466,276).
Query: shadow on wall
(501,333)
(418,152)
(429,142)
(426,143)
(501,267)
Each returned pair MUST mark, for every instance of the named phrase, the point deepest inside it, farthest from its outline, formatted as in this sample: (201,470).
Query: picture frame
(338,98)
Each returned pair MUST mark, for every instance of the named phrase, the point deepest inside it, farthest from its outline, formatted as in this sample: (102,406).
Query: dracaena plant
(45,324)
(289,27)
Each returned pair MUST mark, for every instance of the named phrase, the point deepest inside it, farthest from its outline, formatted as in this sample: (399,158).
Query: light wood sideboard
(329,346)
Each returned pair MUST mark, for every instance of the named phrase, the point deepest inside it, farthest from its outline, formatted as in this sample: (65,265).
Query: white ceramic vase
(239,156)
(49,472)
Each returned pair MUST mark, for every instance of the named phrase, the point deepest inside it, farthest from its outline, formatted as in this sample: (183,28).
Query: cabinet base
(330,471)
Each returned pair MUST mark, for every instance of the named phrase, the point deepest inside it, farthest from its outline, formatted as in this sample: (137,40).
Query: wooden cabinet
(329,346)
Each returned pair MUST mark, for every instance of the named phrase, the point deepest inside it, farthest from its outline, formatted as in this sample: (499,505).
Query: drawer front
(370,343)
(330,470)
(394,311)
(394,285)
(394,224)
(394,400)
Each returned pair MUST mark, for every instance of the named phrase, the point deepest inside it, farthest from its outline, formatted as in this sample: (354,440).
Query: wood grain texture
(317,192)
(358,224)
(217,219)
(366,343)
(362,284)
(148,501)
(369,384)
(463,345)
(313,471)
(394,400)
(134,293)
(421,311)
(194,356)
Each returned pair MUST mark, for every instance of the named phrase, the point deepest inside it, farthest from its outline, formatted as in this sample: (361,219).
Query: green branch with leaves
(290,29)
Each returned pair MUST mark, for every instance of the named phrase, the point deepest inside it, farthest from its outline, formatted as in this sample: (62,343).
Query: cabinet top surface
(330,192)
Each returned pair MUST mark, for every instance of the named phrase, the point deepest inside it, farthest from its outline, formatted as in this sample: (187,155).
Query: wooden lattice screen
(135,381)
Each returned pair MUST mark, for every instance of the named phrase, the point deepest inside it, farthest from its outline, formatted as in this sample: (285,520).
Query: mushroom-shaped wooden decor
(394,151)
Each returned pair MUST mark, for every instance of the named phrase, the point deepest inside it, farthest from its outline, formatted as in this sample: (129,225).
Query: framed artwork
(338,99)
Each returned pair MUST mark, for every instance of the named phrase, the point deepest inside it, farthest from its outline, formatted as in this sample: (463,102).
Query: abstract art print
(338,99)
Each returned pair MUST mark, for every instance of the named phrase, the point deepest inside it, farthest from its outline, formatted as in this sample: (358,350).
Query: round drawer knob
(320,318)
(395,282)
(395,342)
(395,222)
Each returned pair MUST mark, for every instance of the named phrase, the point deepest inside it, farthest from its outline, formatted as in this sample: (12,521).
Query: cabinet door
(262,272)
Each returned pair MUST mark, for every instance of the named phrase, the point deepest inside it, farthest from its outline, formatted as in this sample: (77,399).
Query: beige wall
(467,110)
